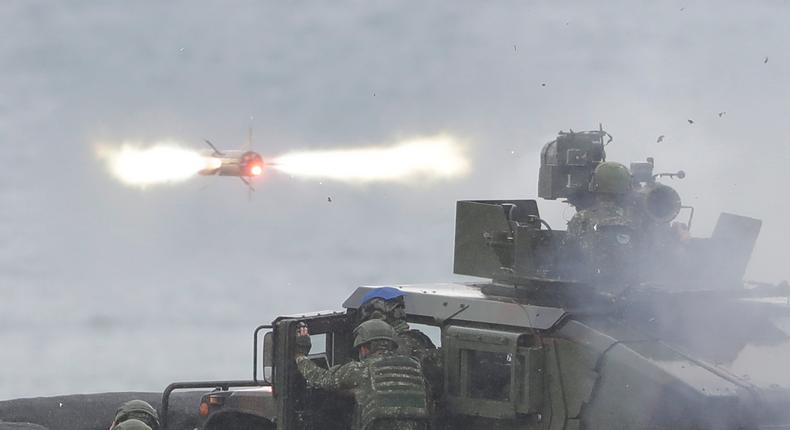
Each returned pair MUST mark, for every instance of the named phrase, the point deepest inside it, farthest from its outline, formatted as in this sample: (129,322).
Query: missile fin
(216,151)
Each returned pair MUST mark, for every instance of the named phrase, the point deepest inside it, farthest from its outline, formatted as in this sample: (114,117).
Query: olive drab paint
(621,320)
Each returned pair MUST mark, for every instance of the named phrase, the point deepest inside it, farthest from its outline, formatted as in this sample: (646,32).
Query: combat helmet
(373,330)
(139,410)
(611,178)
(132,424)
(385,303)
(383,293)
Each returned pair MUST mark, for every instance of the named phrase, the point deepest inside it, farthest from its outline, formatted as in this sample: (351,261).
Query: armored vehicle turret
(633,237)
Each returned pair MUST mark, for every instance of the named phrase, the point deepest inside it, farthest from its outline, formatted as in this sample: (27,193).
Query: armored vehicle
(627,323)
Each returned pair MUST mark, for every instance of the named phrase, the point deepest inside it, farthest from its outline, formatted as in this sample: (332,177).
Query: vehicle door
(303,407)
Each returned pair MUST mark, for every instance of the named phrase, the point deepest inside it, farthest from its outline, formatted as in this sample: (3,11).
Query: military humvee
(665,336)
(546,342)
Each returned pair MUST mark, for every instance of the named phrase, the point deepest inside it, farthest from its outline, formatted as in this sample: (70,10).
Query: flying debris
(660,139)
(691,121)
(765,60)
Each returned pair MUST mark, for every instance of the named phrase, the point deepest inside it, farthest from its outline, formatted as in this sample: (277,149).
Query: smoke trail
(160,163)
(437,157)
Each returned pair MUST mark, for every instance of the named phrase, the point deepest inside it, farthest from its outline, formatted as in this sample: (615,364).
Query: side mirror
(267,352)
(268,356)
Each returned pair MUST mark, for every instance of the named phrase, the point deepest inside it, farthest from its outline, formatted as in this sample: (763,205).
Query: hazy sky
(79,250)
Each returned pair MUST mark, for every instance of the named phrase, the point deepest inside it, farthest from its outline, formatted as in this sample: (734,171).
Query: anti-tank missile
(244,164)
(233,163)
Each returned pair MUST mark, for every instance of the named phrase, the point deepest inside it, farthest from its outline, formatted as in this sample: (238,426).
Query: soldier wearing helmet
(389,389)
(387,303)
(610,184)
(136,410)
(605,229)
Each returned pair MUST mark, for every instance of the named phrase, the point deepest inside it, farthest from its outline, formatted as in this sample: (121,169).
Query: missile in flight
(243,163)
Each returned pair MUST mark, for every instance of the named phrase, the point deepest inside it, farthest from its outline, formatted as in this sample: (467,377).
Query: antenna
(461,308)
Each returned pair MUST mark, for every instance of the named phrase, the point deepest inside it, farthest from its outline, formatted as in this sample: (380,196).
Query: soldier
(138,410)
(387,303)
(605,229)
(389,389)
(610,184)
(132,424)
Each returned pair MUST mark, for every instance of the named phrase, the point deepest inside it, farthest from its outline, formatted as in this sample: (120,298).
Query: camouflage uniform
(389,389)
(386,303)
(379,407)
(605,231)
(606,212)
(605,234)
(417,345)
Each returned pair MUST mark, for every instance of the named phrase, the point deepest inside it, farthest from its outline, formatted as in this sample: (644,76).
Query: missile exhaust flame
(161,163)
(437,157)
(213,163)
(164,162)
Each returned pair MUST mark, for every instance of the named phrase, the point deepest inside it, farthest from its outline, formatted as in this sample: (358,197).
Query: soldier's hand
(303,343)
